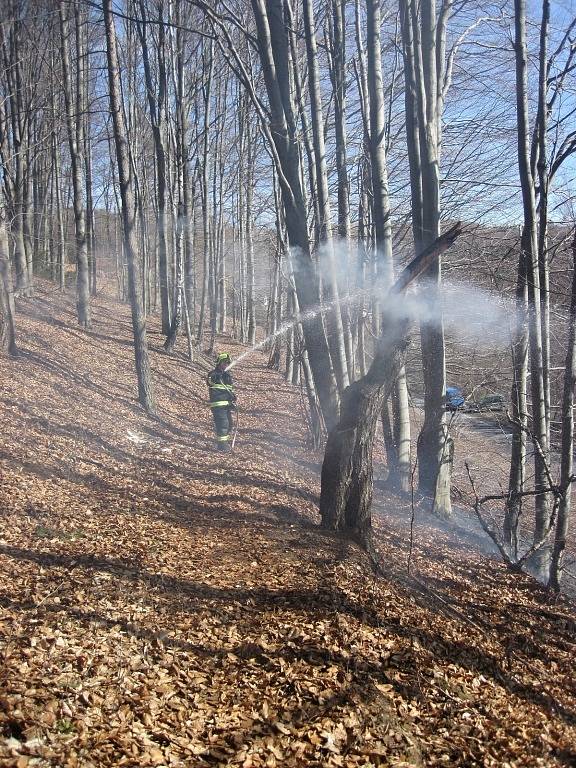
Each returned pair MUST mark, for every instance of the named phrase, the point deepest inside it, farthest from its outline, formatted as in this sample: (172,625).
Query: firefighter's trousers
(223,425)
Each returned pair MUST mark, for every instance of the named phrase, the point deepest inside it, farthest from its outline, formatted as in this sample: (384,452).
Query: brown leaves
(163,605)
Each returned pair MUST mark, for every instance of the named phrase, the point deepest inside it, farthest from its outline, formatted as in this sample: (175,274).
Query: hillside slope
(164,605)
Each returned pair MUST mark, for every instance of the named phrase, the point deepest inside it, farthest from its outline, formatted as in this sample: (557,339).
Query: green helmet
(223,357)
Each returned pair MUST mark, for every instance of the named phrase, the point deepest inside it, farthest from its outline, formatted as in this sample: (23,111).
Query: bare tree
(423,34)
(183,227)
(74,100)
(156,95)
(519,412)
(529,245)
(7,330)
(15,113)
(208,70)
(338,74)
(336,329)
(567,448)
(398,448)
(273,48)
(250,145)
(346,490)
(145,389)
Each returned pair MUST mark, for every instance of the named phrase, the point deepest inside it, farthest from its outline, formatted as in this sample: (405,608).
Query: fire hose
(235,430)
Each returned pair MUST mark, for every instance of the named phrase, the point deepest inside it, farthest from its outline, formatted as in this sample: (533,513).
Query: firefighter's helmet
(223,357)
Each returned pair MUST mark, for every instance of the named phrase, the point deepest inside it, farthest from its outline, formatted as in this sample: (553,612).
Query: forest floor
(165,605)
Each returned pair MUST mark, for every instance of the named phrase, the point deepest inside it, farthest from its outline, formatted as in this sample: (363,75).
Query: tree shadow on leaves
(320,603)
(69,376)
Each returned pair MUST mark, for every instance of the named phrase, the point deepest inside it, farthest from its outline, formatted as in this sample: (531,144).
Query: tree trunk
(90,218)
(75,142)
(305,132)
(179,307)
(189,245)
(250,307)
(177,311)
(541,558)
(346,495)
(567,455)
(273,50)
(339,76)
(145,389)
(156,94)
(86,137)
(334,317)
(61,258)
(208,69)
(399,456)
(519,413)
(339,86)
(13,124)
(363,229)
(539,167)
(7,329)
(346,480)
(421,70)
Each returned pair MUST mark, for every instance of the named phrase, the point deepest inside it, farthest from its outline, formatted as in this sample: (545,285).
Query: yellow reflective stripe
(221,438)
(219,403)
(221,386)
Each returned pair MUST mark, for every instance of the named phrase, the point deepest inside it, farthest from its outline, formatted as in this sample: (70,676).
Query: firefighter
(222,399)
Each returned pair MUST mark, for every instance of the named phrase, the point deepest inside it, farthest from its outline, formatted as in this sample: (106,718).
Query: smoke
(468,313)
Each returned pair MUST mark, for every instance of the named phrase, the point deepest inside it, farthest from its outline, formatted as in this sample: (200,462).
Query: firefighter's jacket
(220,389)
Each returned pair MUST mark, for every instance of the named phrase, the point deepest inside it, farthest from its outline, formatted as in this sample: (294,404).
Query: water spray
(468,312)
(296,320)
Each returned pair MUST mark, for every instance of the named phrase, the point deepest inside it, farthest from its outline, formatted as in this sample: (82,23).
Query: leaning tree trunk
(346,482)
(346,496)
(145,389)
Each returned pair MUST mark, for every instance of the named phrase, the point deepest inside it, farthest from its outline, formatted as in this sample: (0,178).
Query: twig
(409,582)
(485,527)
(539,450)
(517,565)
